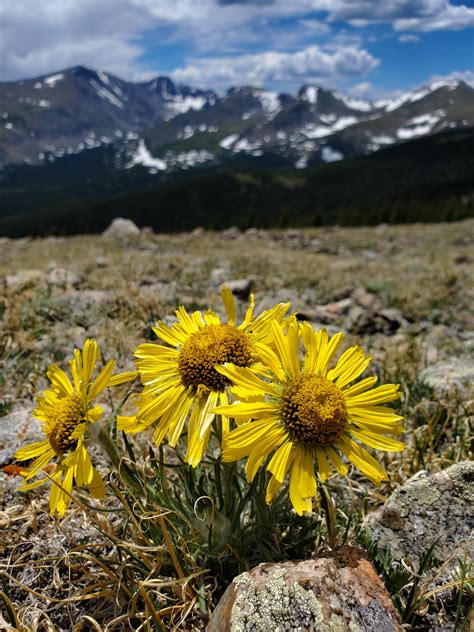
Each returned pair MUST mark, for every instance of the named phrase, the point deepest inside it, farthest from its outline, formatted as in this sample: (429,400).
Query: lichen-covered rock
(428,508)
(338,592)
(455,374)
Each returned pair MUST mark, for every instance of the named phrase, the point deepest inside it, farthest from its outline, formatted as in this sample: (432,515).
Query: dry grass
(136,565)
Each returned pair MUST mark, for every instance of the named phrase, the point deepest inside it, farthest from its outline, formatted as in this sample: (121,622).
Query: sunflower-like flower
(66,411)
(181,379)
(309,414)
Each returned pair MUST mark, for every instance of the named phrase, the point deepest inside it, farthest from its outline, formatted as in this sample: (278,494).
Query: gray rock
(121,228)
(62,277)
(428,508)
(339,592)
(362,320)
(231,233)
(23,278)
(326,313)
(198,231)
(254,233)
(455,374)
(241,287)
(83,299)
(219,275)
(160,291)
(364,298)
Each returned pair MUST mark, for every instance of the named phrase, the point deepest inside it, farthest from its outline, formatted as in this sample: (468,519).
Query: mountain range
(167,128)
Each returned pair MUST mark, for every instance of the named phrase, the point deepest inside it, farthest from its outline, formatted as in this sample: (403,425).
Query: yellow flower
(309,414)
(66,411)
(181,379)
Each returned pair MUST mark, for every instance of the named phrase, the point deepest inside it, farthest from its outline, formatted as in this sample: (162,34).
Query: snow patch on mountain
(328,154)
(428,119)
(270,102)
(247,115)
(419,125)
(52,80)
(228,141)
(245,145)
(106,94)
(103,76)
(353,103)
(382,139)
(143,157)
(328,118)
(181,105)
(190,158)
(319,131)
(310,94)
(416,95)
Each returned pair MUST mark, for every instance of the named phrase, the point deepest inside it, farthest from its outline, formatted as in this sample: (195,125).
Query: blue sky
(365,47)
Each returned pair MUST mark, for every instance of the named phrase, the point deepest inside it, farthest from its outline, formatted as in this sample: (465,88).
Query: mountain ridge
(165,126)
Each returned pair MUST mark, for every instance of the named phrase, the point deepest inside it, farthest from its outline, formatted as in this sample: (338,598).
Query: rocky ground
(405,293)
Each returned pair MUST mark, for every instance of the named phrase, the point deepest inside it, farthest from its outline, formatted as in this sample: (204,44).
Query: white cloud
(408,38)
(37,38)
(310,64)
(454,18)
(41,37)
(405,15)
(362,89)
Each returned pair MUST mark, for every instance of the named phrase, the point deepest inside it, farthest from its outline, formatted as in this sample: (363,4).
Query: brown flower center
(313,410)
(68,414)
(209,347)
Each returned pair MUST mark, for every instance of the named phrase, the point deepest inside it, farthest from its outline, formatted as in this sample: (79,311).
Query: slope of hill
(429,179)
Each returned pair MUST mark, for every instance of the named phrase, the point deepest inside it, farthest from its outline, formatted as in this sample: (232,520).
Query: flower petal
(102,380)
(90,354)
(32,450)
(229,304)
(362,460)
(240,442)
(281,460)
(297,484)
(59,379)
(246,379)
(121,378)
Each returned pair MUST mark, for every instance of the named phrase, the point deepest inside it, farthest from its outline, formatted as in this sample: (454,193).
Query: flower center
(209,347)
(313,410)
(68,414)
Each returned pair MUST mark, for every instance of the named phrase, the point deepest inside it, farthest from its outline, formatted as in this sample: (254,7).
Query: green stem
(124,471)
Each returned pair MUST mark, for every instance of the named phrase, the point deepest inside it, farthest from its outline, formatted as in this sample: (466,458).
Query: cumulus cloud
(412,15)
(287,39)
(310,64)
(454,18)
(59,33)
